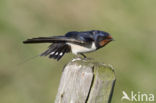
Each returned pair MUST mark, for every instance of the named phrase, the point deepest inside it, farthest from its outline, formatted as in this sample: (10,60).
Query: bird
(77,42)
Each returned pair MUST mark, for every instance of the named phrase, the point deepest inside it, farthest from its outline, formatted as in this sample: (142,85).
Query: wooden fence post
(85,81)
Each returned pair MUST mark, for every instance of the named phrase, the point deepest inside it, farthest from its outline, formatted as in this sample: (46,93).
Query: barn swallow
(75,42)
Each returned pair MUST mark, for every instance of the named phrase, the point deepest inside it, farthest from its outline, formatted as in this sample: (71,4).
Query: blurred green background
(132,23)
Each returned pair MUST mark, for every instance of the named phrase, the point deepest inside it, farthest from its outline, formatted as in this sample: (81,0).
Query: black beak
(112,39)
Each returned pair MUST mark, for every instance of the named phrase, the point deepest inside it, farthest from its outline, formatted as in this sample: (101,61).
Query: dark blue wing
(81,36)
(74,37)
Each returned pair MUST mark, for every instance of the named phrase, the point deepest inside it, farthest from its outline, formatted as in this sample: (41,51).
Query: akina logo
(137,96)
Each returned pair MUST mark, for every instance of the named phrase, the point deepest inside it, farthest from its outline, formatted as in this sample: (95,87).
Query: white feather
(61,54)
(52,52)
(56,53)
(81,49)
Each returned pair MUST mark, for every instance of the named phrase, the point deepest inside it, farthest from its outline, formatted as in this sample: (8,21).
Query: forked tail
(56,50)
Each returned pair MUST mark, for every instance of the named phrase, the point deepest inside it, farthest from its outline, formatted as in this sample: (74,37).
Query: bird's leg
(77,57)
(83,55)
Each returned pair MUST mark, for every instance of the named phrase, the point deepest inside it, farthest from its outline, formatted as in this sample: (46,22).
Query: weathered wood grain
(85,81)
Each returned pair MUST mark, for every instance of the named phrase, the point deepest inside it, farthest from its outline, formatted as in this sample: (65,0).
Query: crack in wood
(111,94)
(92,82)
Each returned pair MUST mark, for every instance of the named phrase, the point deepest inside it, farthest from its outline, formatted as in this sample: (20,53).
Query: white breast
(81,49)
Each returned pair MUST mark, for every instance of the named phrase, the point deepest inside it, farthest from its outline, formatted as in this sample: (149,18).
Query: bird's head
(101,38)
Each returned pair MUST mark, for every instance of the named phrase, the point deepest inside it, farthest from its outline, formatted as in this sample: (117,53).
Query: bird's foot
(82,57)
(88,58)
(77,58)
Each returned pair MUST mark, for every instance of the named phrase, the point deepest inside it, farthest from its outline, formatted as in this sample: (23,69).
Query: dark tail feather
(56,51)
(63,51)
(51,48)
